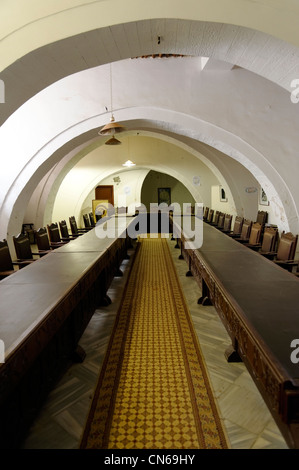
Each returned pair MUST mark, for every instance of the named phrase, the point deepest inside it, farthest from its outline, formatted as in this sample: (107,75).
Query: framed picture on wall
(164,195)
(263,198)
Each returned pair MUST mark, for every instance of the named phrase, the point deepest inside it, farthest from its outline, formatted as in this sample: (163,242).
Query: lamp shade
(113,141)
(111,128)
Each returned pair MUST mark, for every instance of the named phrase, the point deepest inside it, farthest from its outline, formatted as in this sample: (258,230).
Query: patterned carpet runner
(153,391)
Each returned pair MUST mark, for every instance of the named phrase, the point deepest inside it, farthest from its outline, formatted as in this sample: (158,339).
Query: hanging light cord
(112,117)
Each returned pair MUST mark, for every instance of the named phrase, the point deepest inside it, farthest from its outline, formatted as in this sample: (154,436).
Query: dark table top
(29,295)
(266,295)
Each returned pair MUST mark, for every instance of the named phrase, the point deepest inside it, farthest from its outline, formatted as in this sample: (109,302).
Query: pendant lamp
(112,127)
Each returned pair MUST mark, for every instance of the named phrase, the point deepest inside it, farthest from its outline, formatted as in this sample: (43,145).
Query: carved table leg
(205,295)
(79,354)
(189,273)
(232,355)
(181,255)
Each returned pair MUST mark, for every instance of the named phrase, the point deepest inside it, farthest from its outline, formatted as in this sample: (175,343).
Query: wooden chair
(227,224)
(6,263)
(262,217)
(23,249)
(43,242)
(245,232)
(221,219)
(286,251)
(238,224)
(255,235)
(54,234)
(269,243)
(210,216)
(74,227)
(86,221)
(215,219)
(206,213)
(64,231)
(91,219)
(28,229)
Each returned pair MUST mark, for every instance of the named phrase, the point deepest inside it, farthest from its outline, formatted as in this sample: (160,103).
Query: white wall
(127,192)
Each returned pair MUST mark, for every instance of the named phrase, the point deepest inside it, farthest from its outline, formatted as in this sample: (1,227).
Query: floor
(246,418)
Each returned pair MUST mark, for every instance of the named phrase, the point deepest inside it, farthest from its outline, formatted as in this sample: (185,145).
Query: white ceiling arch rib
(253,50)
(194,129)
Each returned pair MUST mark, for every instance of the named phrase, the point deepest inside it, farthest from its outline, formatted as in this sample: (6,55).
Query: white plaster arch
(164,167)
(36,54)
(193,127)
(78,110)
(26,29)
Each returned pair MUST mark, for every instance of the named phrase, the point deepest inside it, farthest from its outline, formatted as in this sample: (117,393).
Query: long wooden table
(258,302)
(44,309)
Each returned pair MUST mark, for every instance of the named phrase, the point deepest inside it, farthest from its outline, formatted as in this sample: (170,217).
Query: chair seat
(4,274)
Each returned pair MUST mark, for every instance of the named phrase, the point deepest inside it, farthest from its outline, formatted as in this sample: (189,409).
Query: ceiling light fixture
(129,163)
(113,141)
(112,127)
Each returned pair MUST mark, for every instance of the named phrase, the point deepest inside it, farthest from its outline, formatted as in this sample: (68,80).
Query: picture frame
(99,208)
(164,196)
(263,198)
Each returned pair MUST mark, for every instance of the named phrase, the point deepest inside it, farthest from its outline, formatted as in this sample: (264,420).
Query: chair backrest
(206,213)
(221,220)
(238,224)
(262,217)
(269,239)
(63,229)
(210,215)
(42,239)
(73,224)
(287,247)
(91,219)
(22,247)
(227,222)
(86,221)
(5,258)
(53,232)
(216,218)
(255,234)
(246,229)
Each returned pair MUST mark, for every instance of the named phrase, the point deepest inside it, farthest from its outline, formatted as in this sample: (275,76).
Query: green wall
(155,180)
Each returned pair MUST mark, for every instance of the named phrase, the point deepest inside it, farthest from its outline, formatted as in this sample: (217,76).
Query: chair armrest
(288,262)
(268,254)
(253,247)
(4,274)
(23,262)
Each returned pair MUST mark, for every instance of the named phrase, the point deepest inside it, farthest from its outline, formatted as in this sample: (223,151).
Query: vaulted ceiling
(52,58)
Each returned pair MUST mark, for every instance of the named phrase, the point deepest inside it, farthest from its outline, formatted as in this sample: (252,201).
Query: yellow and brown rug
(153,391)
